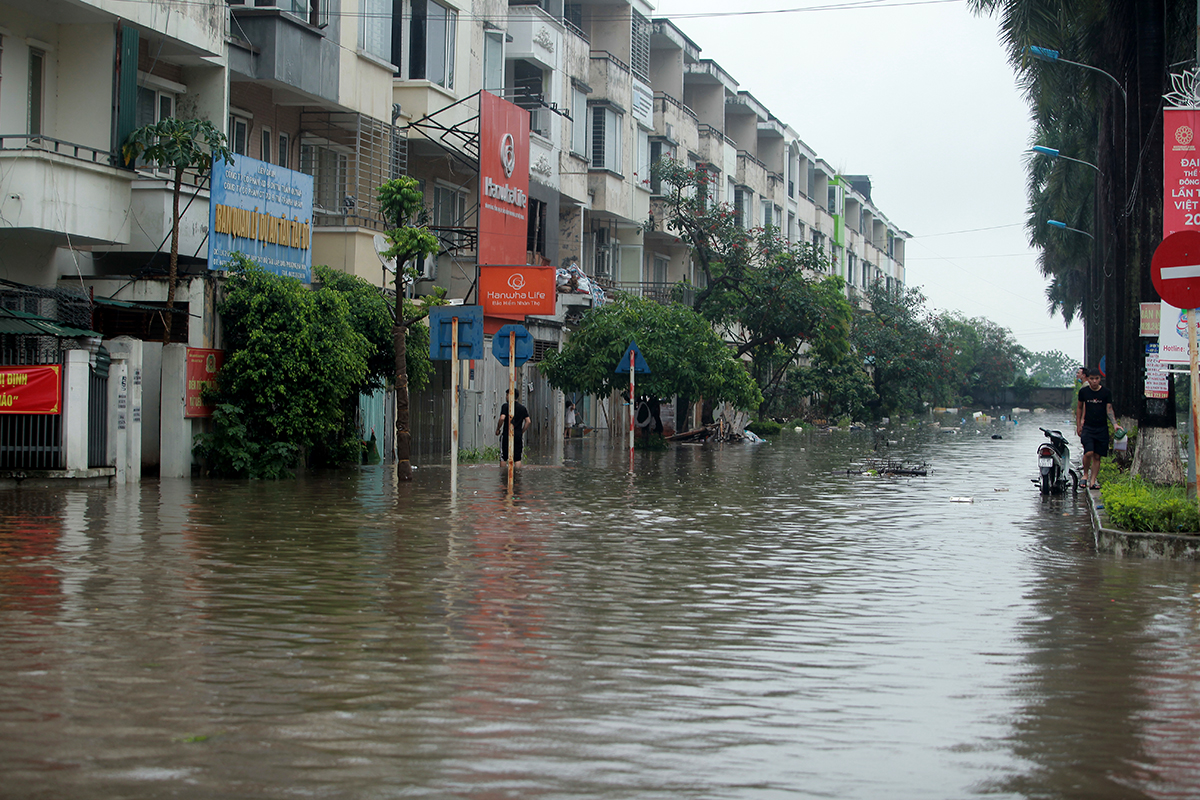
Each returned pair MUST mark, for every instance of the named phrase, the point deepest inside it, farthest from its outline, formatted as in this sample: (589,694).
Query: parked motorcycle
(1054,464)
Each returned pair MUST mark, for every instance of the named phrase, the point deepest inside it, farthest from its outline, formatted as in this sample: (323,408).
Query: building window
(449,211)
(641,175)
(529,81)
(639,51)
(375,27)
(606,139)
(264,145)
(743,200)
(37,82)
(493,61)
(328,168)
(431,43)
(660,269)
(153,106)
(239,134)
(284,148)
(578,122)
(768,220)
(851,261)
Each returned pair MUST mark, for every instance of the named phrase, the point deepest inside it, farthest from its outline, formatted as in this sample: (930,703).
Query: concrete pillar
(174,430)
(75,409)
(118,417)
(130,350)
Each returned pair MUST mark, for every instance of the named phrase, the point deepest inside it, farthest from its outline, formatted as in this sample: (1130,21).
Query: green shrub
(1134,505)
(764,427)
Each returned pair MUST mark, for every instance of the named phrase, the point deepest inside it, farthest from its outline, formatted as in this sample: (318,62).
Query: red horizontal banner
(31,390)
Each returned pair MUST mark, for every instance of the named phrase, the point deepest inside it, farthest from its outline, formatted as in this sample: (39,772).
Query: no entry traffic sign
(1175,269)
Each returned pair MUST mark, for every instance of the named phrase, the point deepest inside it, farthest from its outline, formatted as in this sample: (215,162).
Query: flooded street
(745,621)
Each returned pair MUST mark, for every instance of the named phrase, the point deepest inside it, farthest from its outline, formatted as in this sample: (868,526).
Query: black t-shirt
(519,418)
(1095,406)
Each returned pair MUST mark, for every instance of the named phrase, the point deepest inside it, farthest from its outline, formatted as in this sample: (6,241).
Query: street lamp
(1050,151)
(1053,223)
(1046,54)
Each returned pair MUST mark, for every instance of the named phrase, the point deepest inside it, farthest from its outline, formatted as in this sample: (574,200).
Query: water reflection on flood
(741,621)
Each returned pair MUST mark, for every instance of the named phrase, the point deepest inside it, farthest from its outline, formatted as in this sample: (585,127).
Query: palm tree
(1133,42)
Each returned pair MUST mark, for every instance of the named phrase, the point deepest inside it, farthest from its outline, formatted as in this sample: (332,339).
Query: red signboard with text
(31,390)
(202,368)
(1181,170)
(503,181)
(517,291)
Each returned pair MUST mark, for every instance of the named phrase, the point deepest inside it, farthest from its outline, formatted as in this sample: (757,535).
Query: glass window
(264,145)
(328,168)
(578,122)
(641,176)
(37,70)
(283,152)
(493,61)
(432,37)
(606,139)
(239,134)
(375,27)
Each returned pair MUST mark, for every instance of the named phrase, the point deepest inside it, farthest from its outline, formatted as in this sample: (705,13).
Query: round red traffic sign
(1175,269)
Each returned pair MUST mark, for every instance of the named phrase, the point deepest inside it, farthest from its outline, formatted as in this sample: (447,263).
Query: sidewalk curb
(1120,543)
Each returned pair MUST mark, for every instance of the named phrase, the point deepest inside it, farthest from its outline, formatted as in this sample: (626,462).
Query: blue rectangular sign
(470,332)
(264,212)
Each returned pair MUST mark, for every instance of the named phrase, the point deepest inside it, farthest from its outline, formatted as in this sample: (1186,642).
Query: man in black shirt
(521,423)
(1092,415)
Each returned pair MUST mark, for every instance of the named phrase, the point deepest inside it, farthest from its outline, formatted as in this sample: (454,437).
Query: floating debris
(962,499)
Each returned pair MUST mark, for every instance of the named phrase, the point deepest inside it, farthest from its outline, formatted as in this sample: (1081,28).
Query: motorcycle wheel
(1046,484)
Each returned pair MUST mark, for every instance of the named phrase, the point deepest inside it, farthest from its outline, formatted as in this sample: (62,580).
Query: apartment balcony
(151,210)
(64,189)
(711,144)
(676,122)
(536,36)
(751,172)
(611,80)
(283,51)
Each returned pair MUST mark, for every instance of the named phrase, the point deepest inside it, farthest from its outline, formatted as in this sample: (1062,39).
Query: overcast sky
(920,97)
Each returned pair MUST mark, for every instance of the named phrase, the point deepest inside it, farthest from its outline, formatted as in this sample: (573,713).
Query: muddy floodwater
(738,621)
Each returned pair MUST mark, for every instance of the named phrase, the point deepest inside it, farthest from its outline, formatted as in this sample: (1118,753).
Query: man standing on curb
(1092,415)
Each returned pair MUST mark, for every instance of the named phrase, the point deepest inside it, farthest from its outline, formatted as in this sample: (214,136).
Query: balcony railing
(668,99)
(29,141)
(604,54)
(662,293)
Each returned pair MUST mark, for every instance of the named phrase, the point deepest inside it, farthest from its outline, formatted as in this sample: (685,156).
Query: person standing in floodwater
(521,421)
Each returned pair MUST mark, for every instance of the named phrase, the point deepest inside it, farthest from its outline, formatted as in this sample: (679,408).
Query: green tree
(834,387)
(411,243)
(896,339)
(293,357)
(177,145)
(772,299)
(1051,368)
(686,357)
(985,358)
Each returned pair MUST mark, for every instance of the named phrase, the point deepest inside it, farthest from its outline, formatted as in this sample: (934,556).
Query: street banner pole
(1193,321)
(453,405)
(632,410)
(512,402)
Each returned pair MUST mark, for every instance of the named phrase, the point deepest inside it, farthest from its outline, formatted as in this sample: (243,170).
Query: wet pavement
(737,621)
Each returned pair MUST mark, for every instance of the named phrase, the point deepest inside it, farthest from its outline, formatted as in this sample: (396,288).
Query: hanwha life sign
(503,181)
(517,291)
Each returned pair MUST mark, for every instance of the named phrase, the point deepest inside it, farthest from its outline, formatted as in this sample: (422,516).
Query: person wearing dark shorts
(1093,412)
(521,423)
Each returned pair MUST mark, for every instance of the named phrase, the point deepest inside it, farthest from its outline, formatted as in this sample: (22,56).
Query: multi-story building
(355,92)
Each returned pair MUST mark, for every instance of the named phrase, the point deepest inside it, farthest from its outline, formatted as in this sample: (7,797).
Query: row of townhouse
(353,93)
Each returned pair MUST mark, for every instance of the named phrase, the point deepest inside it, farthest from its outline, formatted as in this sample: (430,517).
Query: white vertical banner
(1173,336)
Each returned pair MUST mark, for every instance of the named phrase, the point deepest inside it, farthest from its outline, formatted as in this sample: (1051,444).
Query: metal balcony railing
(46,144)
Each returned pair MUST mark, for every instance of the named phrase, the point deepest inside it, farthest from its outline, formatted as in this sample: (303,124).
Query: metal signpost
(455,332)
(1175,272)
(512,346)
(632,362)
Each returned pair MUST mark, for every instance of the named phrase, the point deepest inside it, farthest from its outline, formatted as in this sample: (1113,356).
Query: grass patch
(473,455)
(1136,506)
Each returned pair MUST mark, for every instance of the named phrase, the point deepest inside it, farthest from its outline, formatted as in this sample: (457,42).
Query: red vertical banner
(503,181)
(31,390)
(202,368)
(1181,170)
